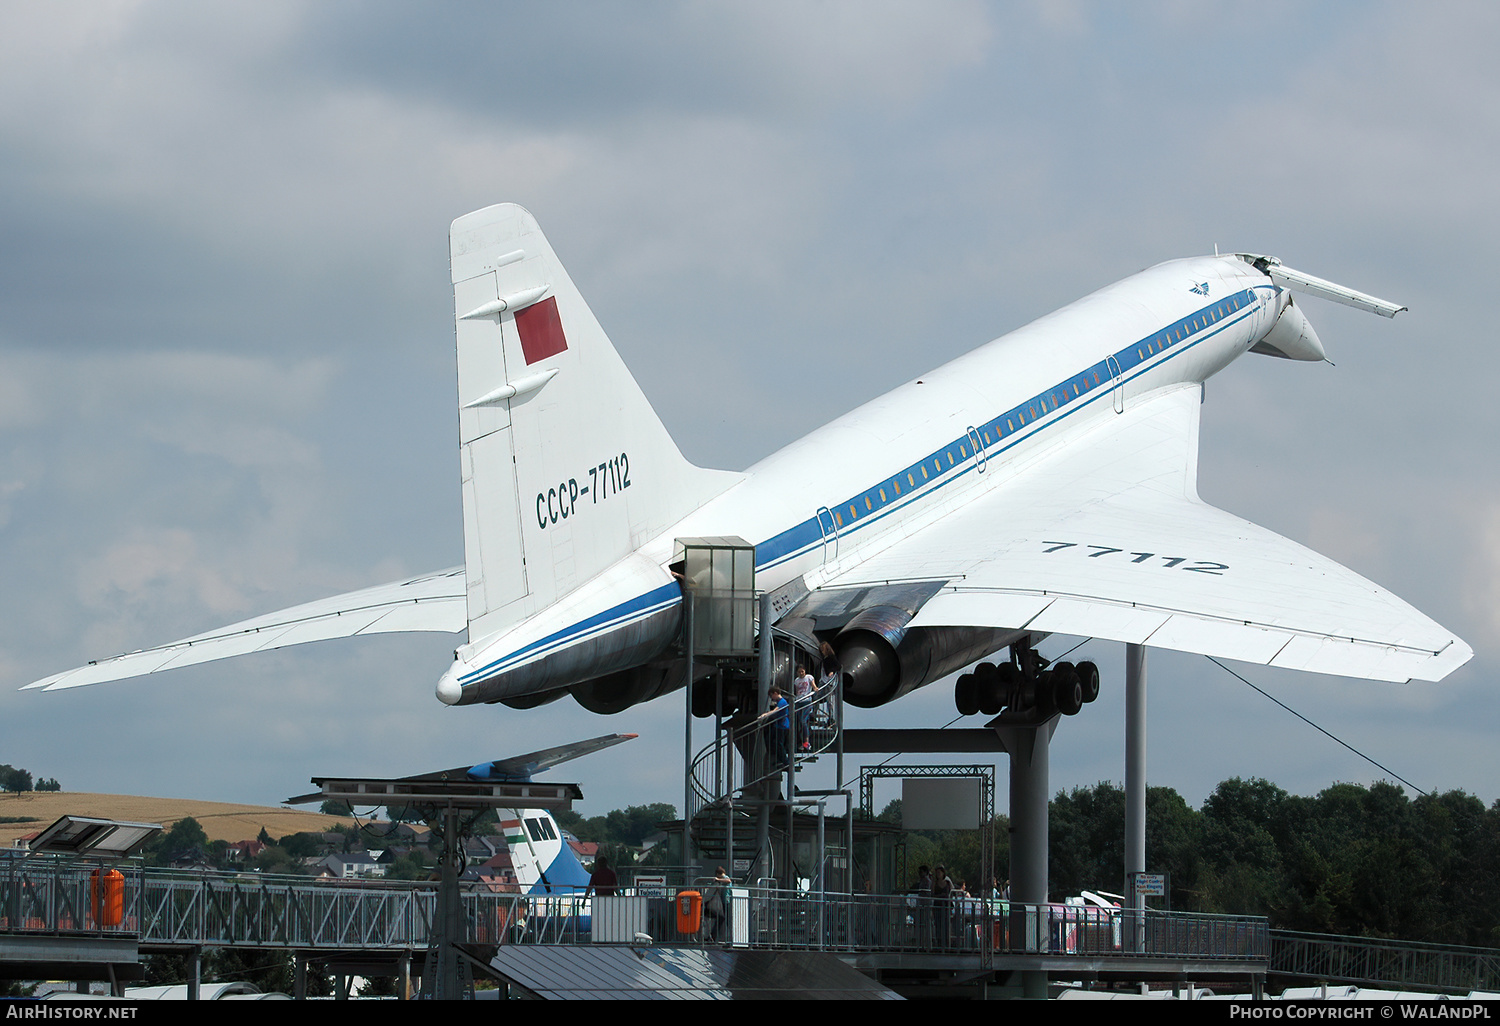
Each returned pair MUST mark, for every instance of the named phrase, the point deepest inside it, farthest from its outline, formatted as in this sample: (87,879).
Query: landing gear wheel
(704,699)
(992,689)
(1088,676)
(966,695)
(1067,689)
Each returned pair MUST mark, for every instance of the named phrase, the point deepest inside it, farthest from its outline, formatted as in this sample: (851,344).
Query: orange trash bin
(689,911)
(108,897)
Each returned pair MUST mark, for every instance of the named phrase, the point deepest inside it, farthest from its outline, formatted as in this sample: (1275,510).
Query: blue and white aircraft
(1045,482)
(543,862)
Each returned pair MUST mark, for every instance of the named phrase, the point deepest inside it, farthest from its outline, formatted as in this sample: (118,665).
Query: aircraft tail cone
(449,690)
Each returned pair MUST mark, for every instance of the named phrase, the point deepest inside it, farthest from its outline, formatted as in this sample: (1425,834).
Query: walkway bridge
(1374,962)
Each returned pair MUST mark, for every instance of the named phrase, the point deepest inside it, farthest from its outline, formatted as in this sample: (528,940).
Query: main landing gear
(1026,687)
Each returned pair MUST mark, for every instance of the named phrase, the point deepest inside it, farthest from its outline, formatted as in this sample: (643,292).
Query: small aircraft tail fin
(540,855)
(566,467)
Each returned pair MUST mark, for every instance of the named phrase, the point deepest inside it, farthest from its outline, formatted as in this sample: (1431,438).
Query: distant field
(220,820)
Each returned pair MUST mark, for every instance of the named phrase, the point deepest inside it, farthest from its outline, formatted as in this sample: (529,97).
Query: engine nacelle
(617,692)
(883,659)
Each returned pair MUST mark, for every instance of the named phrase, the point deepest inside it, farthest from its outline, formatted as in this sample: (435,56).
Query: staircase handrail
(703,790)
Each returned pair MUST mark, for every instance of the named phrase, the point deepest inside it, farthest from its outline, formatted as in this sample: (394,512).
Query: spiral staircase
(738,780)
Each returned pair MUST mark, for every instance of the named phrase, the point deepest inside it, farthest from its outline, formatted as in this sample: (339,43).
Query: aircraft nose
(449,690)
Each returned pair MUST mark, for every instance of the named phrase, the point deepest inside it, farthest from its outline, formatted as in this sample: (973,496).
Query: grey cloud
(226,338)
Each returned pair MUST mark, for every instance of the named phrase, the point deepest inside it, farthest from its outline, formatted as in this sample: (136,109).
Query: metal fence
(214,909)
(281,912)
(1439,967)
(53,898)
(787,919)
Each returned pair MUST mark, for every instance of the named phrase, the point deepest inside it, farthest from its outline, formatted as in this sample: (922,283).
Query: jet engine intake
(866,649)
(884,660)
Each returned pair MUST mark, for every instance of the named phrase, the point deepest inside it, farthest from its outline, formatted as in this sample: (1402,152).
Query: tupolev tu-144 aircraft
(1044,483)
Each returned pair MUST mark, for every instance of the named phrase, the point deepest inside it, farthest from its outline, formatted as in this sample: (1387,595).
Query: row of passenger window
(1013,420)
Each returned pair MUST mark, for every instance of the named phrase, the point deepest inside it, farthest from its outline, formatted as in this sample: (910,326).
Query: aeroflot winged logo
(1201,289)
(541,331)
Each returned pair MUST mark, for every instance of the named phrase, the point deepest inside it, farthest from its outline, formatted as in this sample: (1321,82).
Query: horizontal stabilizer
(428,602)
(521,768)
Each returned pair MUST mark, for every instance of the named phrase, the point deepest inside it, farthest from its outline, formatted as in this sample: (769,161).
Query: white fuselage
(821,505)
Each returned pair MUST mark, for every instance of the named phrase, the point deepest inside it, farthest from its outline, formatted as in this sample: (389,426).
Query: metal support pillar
(195,973)
(849,840)
(445,985)
(1028,748)
(687,739)
(821,883)
(723,772)
(793,746)
(1135,781)
(763,697)
(788,876)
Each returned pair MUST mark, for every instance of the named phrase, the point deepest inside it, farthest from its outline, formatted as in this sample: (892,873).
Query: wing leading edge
(1109,539)
(428,602)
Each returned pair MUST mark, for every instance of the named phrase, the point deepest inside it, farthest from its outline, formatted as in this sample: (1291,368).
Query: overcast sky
(226,346)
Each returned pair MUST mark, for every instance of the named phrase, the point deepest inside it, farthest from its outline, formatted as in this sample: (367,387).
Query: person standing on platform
(720,907)
(602,881)
(802,689)
(829,665)
(942,905)
(781,725)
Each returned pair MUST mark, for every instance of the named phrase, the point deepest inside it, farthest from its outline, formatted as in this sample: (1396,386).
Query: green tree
(1242,857)
(14,779)
(301,845)
(185,839)
(631,825)
(276,859)
(1174,839)
(1086,834)
(410,866)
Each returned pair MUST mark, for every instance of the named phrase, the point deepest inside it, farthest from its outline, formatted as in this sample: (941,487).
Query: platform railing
(51,897)
(1372,961)
(909,923)
(168,908)
(767,918)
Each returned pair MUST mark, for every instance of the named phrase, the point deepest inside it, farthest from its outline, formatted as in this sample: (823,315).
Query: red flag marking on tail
(541,331)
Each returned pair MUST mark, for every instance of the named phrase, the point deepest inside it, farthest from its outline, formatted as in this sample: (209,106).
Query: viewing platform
(51,926)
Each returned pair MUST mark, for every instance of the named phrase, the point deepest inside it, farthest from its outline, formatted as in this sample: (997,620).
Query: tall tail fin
(566,467)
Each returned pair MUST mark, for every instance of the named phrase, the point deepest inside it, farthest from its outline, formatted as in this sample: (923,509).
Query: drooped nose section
(1291,337)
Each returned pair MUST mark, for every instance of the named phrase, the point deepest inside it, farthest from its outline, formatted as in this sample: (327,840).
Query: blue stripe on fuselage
(1022,423)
